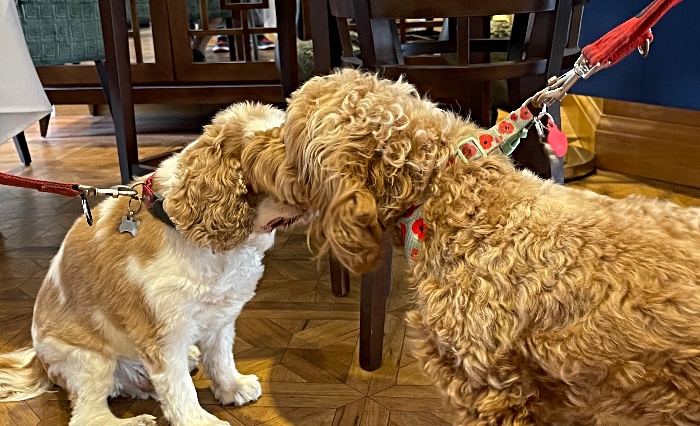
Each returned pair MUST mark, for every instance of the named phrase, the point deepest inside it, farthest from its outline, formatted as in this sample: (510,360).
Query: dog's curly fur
(127,314)
(536,303)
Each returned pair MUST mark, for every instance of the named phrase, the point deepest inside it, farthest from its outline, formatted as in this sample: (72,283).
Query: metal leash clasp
(114,192)
(646,47)
(558,87)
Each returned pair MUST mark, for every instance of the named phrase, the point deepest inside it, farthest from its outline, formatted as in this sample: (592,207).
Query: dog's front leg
(169,371)
(497,407)
(229,386)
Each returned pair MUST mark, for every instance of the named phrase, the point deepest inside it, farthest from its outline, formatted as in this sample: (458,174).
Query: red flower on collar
(525,113)
(468,150)
(514,117)
(486,141)
(506,127)
(418,229)
(414,254)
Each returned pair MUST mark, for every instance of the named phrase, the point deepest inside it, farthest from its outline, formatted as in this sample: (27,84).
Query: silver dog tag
(129,225)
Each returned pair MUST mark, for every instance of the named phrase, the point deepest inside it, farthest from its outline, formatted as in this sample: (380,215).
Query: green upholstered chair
(70,31)
(60,32)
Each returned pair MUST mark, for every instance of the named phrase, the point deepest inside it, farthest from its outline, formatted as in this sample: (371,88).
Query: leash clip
(557,87)
(86,209)
(114,192)
(646,47)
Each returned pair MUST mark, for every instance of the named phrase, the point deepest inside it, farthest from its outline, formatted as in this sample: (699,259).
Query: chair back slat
(408,9)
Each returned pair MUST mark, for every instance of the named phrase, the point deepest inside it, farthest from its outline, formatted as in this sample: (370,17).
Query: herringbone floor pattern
(295,335)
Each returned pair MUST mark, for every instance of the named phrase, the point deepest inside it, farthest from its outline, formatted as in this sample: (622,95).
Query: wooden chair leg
(22,148)
(375,292)
(325,36)
(119,93)
(340,278)
(287,44)
(104,81)
(44,125)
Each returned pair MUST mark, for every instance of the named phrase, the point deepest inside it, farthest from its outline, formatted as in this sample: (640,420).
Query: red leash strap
(631,35)
(66,189)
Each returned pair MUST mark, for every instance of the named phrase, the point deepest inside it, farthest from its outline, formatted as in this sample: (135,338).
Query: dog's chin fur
(120,315)
(535,303)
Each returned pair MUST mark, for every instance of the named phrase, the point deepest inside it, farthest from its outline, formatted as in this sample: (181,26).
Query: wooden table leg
(375,292)
(44,125)
(118,64)
(23,149)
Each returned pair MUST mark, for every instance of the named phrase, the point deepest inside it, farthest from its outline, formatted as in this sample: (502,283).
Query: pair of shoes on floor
(221,45)
(265,44)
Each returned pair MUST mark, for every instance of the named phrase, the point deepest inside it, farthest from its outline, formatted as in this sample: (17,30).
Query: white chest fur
(194,289)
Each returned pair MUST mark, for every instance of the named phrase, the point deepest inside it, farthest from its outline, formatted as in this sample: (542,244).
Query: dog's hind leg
(132,381)
(88,376)
(193,358)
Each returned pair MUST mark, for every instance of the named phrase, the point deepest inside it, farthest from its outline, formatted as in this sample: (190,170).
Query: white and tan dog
(120,315)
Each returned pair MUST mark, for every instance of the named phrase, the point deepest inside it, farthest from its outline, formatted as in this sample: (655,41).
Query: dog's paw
(247,389)
(142,420)
(193,357)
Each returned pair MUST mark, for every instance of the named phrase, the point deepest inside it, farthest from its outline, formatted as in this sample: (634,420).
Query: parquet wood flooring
(295,335)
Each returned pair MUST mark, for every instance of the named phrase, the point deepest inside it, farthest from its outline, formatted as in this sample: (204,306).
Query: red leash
(65,189)
(631,35)
(69,190)
(610,49)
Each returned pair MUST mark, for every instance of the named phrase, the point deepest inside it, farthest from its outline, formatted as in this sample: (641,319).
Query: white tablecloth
(22,99)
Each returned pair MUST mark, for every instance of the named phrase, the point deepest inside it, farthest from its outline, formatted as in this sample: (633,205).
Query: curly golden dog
(535,303)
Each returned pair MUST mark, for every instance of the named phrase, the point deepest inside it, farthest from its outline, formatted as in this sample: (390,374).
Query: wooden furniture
(57,32)
(542,35)
(654,142)
(169,74)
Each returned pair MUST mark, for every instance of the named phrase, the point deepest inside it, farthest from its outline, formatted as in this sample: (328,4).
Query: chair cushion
(61,31)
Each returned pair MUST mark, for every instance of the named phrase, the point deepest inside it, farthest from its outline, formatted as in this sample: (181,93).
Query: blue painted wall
(669,76)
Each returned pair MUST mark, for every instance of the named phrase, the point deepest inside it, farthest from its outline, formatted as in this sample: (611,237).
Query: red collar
(154,201)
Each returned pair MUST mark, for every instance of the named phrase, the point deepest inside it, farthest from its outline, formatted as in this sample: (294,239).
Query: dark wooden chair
(112,61)
(114,27)
(114,69)
(543,34)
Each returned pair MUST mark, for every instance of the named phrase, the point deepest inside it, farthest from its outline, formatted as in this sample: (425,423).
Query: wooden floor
(295,335)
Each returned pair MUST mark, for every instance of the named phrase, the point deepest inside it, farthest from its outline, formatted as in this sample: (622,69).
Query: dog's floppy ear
(351,228)
(208,203)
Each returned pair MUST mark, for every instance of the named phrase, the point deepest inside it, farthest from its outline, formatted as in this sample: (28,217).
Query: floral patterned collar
(412,232)
(504,137)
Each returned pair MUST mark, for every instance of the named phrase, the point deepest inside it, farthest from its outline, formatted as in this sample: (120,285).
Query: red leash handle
(66,189)
(624,39)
